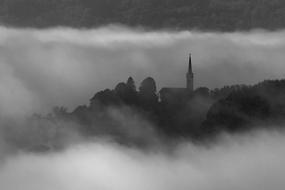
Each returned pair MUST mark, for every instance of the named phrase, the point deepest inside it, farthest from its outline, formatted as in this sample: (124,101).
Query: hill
(204,112)
(140,118)
(222,15)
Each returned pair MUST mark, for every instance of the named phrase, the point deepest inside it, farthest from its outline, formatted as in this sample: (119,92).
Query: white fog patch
(65,67)
(251,162)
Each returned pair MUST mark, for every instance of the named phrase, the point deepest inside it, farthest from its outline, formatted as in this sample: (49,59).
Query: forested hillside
(129,114)
(223,15)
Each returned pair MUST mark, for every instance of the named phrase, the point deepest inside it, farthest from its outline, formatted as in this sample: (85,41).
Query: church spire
(190,64)
(190,76)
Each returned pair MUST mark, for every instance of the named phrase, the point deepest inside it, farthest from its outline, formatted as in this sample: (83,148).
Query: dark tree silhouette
(131,84)
(105,98)
(194,115)
(148,86)
(248,107)
(121,91)
(147,94)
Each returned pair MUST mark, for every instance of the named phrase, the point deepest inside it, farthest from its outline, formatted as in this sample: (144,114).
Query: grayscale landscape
(91,100)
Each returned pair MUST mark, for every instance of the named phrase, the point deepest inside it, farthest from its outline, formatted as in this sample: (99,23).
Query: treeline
(139,116)
(247,108)
(225,15)
(203,113)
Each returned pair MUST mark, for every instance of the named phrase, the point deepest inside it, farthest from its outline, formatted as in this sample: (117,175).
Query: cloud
(250,162)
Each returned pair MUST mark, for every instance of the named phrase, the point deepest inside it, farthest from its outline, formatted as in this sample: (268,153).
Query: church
(168,94)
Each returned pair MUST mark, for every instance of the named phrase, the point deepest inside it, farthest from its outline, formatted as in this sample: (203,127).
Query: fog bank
(250,162)
(40,69)
(43,68)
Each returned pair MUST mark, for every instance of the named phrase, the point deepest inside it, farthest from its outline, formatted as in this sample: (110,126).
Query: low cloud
(250,162)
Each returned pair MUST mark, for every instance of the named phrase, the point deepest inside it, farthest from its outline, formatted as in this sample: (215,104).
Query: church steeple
(190,76)
(190,64)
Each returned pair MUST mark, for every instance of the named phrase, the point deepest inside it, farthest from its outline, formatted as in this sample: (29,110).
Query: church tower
(190,76)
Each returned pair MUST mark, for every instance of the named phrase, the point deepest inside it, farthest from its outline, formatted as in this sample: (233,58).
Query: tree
(59,111)
(131,84)
(147,94)
(148,86)
(131,94)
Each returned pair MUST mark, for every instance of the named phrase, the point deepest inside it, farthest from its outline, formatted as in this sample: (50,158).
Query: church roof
(172,90)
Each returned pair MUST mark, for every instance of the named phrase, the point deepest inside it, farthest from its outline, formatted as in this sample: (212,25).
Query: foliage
(124,112)
(248,107)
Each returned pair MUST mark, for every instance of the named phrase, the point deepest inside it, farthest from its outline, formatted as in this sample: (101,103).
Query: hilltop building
(169,94)
(190,76)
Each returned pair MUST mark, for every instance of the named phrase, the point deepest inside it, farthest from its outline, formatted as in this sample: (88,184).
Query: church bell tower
(190,76)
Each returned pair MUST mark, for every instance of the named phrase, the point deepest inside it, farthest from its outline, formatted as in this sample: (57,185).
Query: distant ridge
(221,15)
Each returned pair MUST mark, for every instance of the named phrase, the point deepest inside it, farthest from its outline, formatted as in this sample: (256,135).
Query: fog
(251,162)
(40,69)
(65,67)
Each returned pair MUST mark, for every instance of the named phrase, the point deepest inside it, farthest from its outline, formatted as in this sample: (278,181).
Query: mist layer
(65,67)
(250,162)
